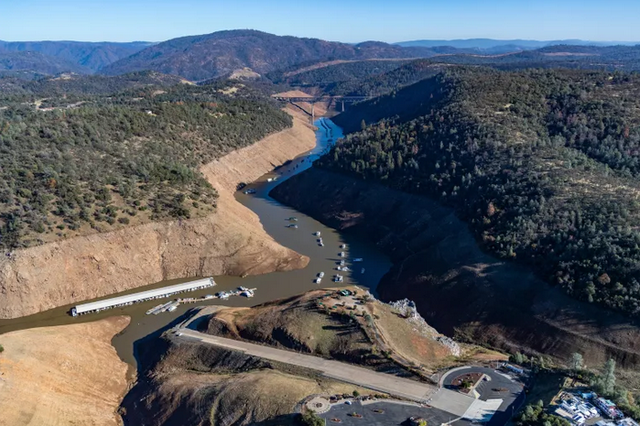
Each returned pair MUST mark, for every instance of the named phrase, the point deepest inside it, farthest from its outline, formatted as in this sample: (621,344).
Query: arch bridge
(324,98)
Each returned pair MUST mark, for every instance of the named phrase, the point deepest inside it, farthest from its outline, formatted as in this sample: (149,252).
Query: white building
(130,299)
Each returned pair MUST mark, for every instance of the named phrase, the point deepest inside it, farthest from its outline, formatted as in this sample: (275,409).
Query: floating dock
(142,296)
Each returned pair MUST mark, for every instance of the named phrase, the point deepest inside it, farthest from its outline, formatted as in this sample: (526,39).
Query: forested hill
(207,56)
(79,163)
(544,166)
(33,64)
(374,78)
(87,56)
(89,85)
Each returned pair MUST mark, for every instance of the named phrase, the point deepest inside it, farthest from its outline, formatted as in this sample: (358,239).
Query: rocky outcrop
(458,288)
(230,241)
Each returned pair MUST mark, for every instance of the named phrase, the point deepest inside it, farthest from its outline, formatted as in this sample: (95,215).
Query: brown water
(273,216)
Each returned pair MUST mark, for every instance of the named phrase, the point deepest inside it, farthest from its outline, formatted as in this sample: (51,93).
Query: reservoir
(274,218)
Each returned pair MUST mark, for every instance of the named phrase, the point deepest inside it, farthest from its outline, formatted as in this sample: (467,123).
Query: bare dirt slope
(230,241)
(66,375)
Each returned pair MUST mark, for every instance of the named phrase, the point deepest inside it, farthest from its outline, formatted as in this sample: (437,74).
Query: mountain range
(90,57)
(211,55)
(214,55)
(493,46)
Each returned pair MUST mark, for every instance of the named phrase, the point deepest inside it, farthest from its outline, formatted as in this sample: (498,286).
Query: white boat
(321,274)
(338,278)
(241,288)
(341,254)
(223,295)
(154,309)
(293,225)
(357,259)
(317,233)
(321,244)
(362,271)
(346,269)
(342,262)
(246,293)
(317,280)
(343,246)
(270,180)
(319,240)
(338,268)
(172,308)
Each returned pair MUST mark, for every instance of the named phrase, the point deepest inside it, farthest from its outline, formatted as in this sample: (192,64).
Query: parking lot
(497,386)
(390,414)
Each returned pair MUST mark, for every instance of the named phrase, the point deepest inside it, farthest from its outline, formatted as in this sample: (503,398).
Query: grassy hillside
(542,165)
(207,56)
(357,329)
(195,384)
(77,164)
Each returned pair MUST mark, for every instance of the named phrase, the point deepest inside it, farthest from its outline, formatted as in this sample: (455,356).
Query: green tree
(519,358)
(311,419)
(609,377)
(576,362)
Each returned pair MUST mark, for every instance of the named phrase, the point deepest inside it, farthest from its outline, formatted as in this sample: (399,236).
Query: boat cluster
(319,240)
(223,295)
(292,225)
(240,291)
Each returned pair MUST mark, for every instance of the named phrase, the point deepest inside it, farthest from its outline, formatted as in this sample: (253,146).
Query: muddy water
(273,216)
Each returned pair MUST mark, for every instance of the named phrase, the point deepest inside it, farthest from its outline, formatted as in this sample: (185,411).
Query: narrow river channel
(273,216)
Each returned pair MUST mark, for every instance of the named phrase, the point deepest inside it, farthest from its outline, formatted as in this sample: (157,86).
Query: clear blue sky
(343,20)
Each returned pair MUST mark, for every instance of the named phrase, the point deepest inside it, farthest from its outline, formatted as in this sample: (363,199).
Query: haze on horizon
(352,21)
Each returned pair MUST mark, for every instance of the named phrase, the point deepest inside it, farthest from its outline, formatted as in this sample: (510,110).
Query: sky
(339,20)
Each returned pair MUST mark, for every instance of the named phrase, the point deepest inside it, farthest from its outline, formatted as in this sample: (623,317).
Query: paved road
(380,382)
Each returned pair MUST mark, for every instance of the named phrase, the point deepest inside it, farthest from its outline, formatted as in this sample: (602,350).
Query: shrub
(311,419)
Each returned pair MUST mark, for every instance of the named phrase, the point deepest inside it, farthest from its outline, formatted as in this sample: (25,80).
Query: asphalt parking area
(391,414)
(499,386)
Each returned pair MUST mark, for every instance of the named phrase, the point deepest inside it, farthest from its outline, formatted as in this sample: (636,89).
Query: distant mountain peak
(206,56)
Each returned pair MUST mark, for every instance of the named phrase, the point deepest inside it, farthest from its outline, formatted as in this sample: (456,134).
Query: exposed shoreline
(66,374)
(229,242)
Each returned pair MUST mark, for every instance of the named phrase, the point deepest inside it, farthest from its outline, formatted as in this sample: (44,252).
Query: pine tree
(609,377)
(576,361)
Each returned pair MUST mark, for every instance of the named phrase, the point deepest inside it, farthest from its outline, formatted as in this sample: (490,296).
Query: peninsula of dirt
(62,376)
(184,381)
